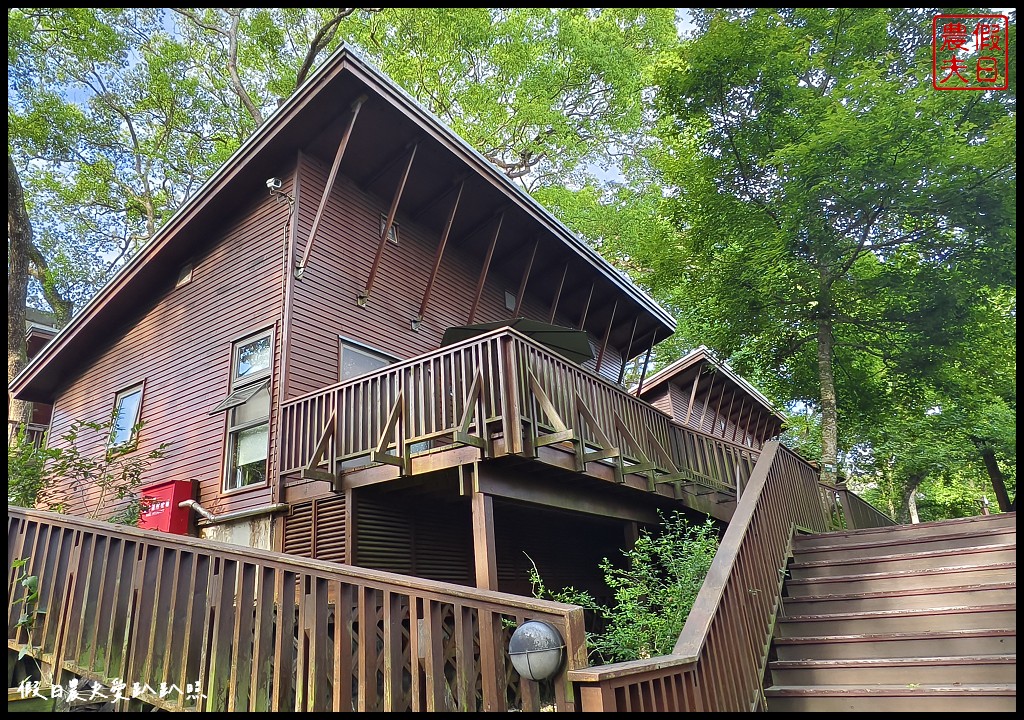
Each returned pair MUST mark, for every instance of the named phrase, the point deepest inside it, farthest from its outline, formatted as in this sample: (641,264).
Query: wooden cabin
(364,344)
(386,375)
(40,328)
(702,392)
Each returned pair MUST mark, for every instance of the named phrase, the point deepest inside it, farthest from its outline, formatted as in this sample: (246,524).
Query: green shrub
(26,470)
(110,476)
(653,591)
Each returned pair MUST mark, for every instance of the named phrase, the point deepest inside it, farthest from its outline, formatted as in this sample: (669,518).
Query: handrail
(405,364)
(260,630)
(421,403)
(718,661)
(858,512)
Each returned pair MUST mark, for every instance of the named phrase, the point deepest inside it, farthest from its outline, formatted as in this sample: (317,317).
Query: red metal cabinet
(162,511)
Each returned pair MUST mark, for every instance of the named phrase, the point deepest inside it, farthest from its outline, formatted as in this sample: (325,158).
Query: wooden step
(979,523)
(1003,617)
(846,548)
(903,580)
(906,599)
(989,641)
(947,670)
(927,560)
(894,698)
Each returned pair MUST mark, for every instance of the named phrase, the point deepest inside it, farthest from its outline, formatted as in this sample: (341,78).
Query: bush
(652,592)
(110,476)
(26,470)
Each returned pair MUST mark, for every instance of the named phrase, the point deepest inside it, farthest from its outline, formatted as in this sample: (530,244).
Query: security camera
(274,183)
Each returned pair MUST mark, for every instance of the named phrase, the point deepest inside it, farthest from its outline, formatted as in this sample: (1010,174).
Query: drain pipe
(212,518)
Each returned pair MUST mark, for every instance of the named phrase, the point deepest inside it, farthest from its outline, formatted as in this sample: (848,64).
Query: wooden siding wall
(425,537)
(707,419)
(324,301)
(181,348)
(662,399)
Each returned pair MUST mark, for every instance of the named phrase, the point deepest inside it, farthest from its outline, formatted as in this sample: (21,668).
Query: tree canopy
(839,221)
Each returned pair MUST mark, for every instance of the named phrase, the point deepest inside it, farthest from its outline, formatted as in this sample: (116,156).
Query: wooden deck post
(492,657)
(483,542)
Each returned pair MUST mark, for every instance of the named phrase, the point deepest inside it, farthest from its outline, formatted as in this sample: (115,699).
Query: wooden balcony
(503,395)
(35,433)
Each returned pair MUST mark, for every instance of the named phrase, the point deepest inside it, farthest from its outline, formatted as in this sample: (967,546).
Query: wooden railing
(858,513)
(719,660)
(34,433)
(224,628)
(713,461)
(499,385)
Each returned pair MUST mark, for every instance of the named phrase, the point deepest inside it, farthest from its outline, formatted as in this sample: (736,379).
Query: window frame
(392,233)
(232,429)
(364,349)
(238,381)
(119,397)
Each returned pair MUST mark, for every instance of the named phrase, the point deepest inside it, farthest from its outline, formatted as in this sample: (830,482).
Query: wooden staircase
(911,618)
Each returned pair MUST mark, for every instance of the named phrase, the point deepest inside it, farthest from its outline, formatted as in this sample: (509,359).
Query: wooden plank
(465,667)
(492,663)
(433,658)
(364,296)
(629,350)
(344,619)
(693,394)
(483,271)
(473,406)
(607,334)
(367,663)
(558,294)
(525,279)
(311,471)
(393,659)
(380,454)
(338,155)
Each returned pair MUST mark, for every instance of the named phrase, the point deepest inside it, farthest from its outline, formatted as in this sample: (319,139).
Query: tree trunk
(908,503)
(19,241)
(829,430)
(988,455)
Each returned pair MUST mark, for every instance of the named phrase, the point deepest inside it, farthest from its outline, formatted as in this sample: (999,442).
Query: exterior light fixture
(537,650)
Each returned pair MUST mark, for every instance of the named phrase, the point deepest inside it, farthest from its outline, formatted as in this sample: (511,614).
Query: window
(510,301)
(392,233)
(359,360)
(248,408)
(126,414)
(252,359)
(248,440)
(184,277)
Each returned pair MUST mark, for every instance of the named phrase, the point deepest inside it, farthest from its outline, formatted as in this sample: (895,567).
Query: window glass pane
(249,457)
(358,362)
(127,415)
(253,357)
(255,408)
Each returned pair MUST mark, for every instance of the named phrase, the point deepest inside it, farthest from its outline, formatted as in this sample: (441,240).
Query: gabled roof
(312,116)
(696,356)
